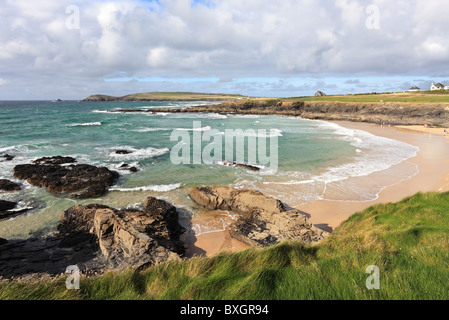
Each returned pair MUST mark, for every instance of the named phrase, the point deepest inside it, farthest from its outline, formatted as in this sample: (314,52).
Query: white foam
(138,153)
(204,129)
(261,133)
(155,188)
(151,129)
(87,124)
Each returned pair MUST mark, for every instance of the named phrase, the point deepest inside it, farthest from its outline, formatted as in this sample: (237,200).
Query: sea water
(316,159)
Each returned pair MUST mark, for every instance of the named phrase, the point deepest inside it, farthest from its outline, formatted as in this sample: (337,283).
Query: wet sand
(432,162)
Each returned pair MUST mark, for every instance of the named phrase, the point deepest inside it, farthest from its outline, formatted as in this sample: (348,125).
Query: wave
(155,188)
(136,154)
(87,124)
(212,116)
(204,129)
(261,133)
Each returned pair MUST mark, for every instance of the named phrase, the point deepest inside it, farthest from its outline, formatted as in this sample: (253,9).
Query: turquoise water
(312,155)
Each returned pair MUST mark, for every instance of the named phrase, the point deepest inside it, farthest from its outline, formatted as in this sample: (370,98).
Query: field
(408,241)
(409,97)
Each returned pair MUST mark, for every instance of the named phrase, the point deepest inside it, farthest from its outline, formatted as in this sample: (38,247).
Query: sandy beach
(432,174)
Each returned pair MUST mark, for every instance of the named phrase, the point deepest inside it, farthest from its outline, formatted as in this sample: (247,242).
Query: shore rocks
(264,221)
(241,165)
(7,157)
(8,186)
(54,160)
(49,173)
(6,205)
(123,151)
(97,238)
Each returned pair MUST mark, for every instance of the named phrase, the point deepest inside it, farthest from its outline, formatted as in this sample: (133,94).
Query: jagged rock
(97,238)
(9,186)
(49,173)
(264,221)
(241,165)
(130,238)
(54,160)
(6,205)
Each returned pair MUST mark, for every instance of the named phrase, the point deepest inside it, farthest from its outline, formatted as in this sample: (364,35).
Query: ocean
(315,159)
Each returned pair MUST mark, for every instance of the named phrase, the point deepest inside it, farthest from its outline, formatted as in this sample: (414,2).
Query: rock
(98,238)
(7,205)
(241,165)
(7,157)
(9,186)
(93,181)
(78,219)
(91,192)
(126,166)
(3,241)
(54,160)
(129,238)
(264,221)
(123,152)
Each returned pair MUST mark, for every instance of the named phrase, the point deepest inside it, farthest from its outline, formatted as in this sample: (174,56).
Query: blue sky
(70,49)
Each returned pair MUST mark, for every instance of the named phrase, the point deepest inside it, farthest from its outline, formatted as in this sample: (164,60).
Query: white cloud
(223,39)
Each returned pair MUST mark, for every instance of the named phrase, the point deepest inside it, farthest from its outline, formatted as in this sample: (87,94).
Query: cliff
(164,96)
(394,113)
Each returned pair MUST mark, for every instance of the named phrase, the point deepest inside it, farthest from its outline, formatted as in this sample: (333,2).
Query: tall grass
(408,241)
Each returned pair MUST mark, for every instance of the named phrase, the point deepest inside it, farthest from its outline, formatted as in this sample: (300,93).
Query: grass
(408,97)
(408,241)
(170,96)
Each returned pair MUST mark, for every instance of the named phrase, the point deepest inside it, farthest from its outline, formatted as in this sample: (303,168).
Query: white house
(414,89)
(438,86)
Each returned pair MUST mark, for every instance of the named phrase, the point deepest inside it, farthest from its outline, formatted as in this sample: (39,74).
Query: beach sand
(433,175)
(432,163)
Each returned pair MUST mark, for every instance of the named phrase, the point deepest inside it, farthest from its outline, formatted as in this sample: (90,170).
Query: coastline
(432,163)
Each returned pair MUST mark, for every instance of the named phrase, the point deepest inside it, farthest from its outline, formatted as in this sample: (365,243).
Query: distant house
(414,89)
(319,94)
(438,86)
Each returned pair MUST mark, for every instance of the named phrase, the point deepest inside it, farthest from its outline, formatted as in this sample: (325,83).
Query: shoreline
(432,163)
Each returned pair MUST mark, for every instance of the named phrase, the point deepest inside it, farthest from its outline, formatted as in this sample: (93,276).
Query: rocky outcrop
(264,221)
(8,186)
(127,167)
(98,238)
(57,178)
(6,205)
(393,113)
(241,165)
(6,157)
(54,160)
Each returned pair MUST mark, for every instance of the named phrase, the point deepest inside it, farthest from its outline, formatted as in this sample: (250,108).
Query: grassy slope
(409,97)
(170,96)
(408,241)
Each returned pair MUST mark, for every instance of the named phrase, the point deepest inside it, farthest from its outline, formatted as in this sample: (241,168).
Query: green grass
(408,241)
(408,97)
(170,96)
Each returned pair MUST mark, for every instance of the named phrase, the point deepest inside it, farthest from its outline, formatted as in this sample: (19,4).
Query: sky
(70,49)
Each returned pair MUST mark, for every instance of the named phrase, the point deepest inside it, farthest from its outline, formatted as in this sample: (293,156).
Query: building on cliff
(414,89)
(438,86)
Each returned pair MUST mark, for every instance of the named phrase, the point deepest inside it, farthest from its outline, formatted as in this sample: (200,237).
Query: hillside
(166,96)
(408,241)
(393,113)
(402,97)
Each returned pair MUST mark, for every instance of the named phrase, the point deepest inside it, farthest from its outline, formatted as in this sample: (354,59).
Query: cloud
(229,39)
